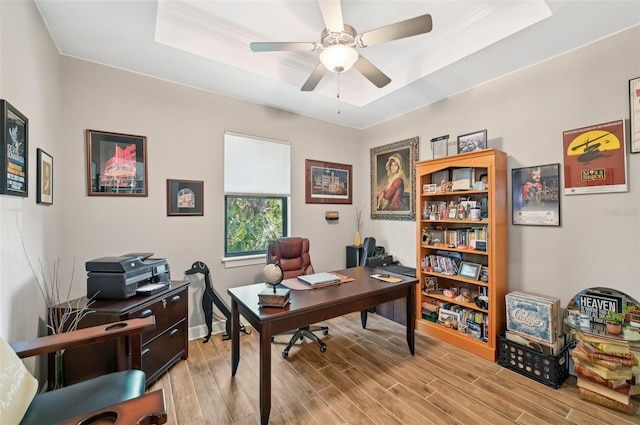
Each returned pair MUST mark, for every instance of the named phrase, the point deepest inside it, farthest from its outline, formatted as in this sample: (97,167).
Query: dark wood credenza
(160,348)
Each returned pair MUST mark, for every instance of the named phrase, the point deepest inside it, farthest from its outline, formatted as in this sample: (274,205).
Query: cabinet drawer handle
(146,313)
(145,352)
(175,299)
(174,331)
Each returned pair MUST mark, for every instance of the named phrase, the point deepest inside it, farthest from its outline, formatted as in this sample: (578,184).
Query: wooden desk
(307,307)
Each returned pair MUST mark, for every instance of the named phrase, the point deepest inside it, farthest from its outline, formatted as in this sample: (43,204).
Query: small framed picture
(14,159)
(184,197)
(634,109)
(472,141)
(429,188)
(430,284)
(116,164)
(45,178)
(469,270)
(484,273)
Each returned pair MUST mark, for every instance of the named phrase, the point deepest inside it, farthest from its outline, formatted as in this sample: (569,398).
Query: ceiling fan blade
(371,72)
(314,78)
(332,15)
(409,28)
(267,46)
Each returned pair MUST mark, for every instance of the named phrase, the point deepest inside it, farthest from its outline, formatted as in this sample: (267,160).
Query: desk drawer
(158,355)
(168,311)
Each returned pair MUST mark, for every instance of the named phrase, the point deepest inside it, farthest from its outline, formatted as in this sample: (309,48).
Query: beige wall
(31,80)
(524,114)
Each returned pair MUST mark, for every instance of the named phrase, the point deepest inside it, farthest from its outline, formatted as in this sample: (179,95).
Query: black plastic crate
(544,368)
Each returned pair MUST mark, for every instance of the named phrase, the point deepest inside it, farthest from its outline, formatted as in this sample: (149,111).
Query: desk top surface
(318,298)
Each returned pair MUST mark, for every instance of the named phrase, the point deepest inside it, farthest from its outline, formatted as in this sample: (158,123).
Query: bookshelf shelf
(493,205)
(449,300)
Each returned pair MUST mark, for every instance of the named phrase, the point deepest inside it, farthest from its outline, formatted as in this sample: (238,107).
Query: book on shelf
(596,398)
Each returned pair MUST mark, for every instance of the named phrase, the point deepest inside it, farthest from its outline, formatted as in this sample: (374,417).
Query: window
(257,182)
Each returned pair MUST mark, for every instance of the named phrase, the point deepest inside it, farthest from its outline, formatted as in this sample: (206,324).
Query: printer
(119,278)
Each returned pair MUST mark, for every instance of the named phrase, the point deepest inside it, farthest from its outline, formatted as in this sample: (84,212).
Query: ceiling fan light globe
(338,58)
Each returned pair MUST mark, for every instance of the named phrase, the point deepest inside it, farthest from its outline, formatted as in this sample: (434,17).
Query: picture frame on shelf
(429,188)
(116,164)
(536,195)
(185,197)
(461,179)
(431,284)
(393,180)
(328,182)
(634,114)
(469,270)
(44,194)
(472,141)
(14,128)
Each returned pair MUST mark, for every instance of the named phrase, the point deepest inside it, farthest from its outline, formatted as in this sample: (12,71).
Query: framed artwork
(469,270)
(536,195)
(472,141)
(328,183)
(14,127)
(185,197)
(45,178)
(595,159)
(393,180)
(634,114)
(116,164)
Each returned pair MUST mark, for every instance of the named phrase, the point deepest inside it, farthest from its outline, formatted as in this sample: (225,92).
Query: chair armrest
(144,410)
(52,343)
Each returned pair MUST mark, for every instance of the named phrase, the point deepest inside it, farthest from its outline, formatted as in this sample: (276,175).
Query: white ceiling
(205,44)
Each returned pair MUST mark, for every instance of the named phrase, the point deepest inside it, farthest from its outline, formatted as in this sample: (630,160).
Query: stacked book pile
(607,371)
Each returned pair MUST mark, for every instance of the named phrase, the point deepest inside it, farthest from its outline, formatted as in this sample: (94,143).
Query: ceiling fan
(339,42)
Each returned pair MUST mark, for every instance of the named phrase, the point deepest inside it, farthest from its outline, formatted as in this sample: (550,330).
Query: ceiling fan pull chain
(338,94)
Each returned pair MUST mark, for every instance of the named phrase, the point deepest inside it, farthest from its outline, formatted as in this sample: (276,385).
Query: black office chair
(368,247)
(292,254)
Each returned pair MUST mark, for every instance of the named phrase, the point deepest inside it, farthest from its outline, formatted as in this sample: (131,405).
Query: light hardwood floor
(368,377)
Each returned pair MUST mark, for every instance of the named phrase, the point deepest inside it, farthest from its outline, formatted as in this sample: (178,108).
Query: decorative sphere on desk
(272,274)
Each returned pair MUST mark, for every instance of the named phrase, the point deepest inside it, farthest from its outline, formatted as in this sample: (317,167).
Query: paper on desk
(386,278)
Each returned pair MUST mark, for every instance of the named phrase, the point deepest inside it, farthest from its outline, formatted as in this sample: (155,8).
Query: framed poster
(634,114)
(472,141)
(393,180)
(116,164)
(14,127)
(45,178)
(595,159)
(185,197)
(535,195)
(328,183)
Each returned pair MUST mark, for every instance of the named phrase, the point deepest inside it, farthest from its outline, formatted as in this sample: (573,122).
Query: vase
(58,377)
(357,242)
(613,328)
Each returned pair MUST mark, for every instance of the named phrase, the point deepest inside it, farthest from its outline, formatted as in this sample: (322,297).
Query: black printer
(118,278)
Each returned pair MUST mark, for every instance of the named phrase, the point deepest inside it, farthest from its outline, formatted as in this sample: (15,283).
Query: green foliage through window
(252,221)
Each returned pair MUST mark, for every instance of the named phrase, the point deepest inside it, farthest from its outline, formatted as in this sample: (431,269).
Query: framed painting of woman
(393,180)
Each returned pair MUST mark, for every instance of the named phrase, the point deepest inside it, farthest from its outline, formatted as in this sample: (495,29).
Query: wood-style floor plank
(367,376)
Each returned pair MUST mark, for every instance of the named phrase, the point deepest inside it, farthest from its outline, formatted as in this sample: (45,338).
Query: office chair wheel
(285,353)
(323,348)
(325,332)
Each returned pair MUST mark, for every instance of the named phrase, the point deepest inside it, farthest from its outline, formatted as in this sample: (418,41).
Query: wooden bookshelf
(493,222)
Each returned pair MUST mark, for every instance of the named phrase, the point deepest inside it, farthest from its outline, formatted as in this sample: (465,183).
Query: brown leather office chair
(118,395)
(292,254)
